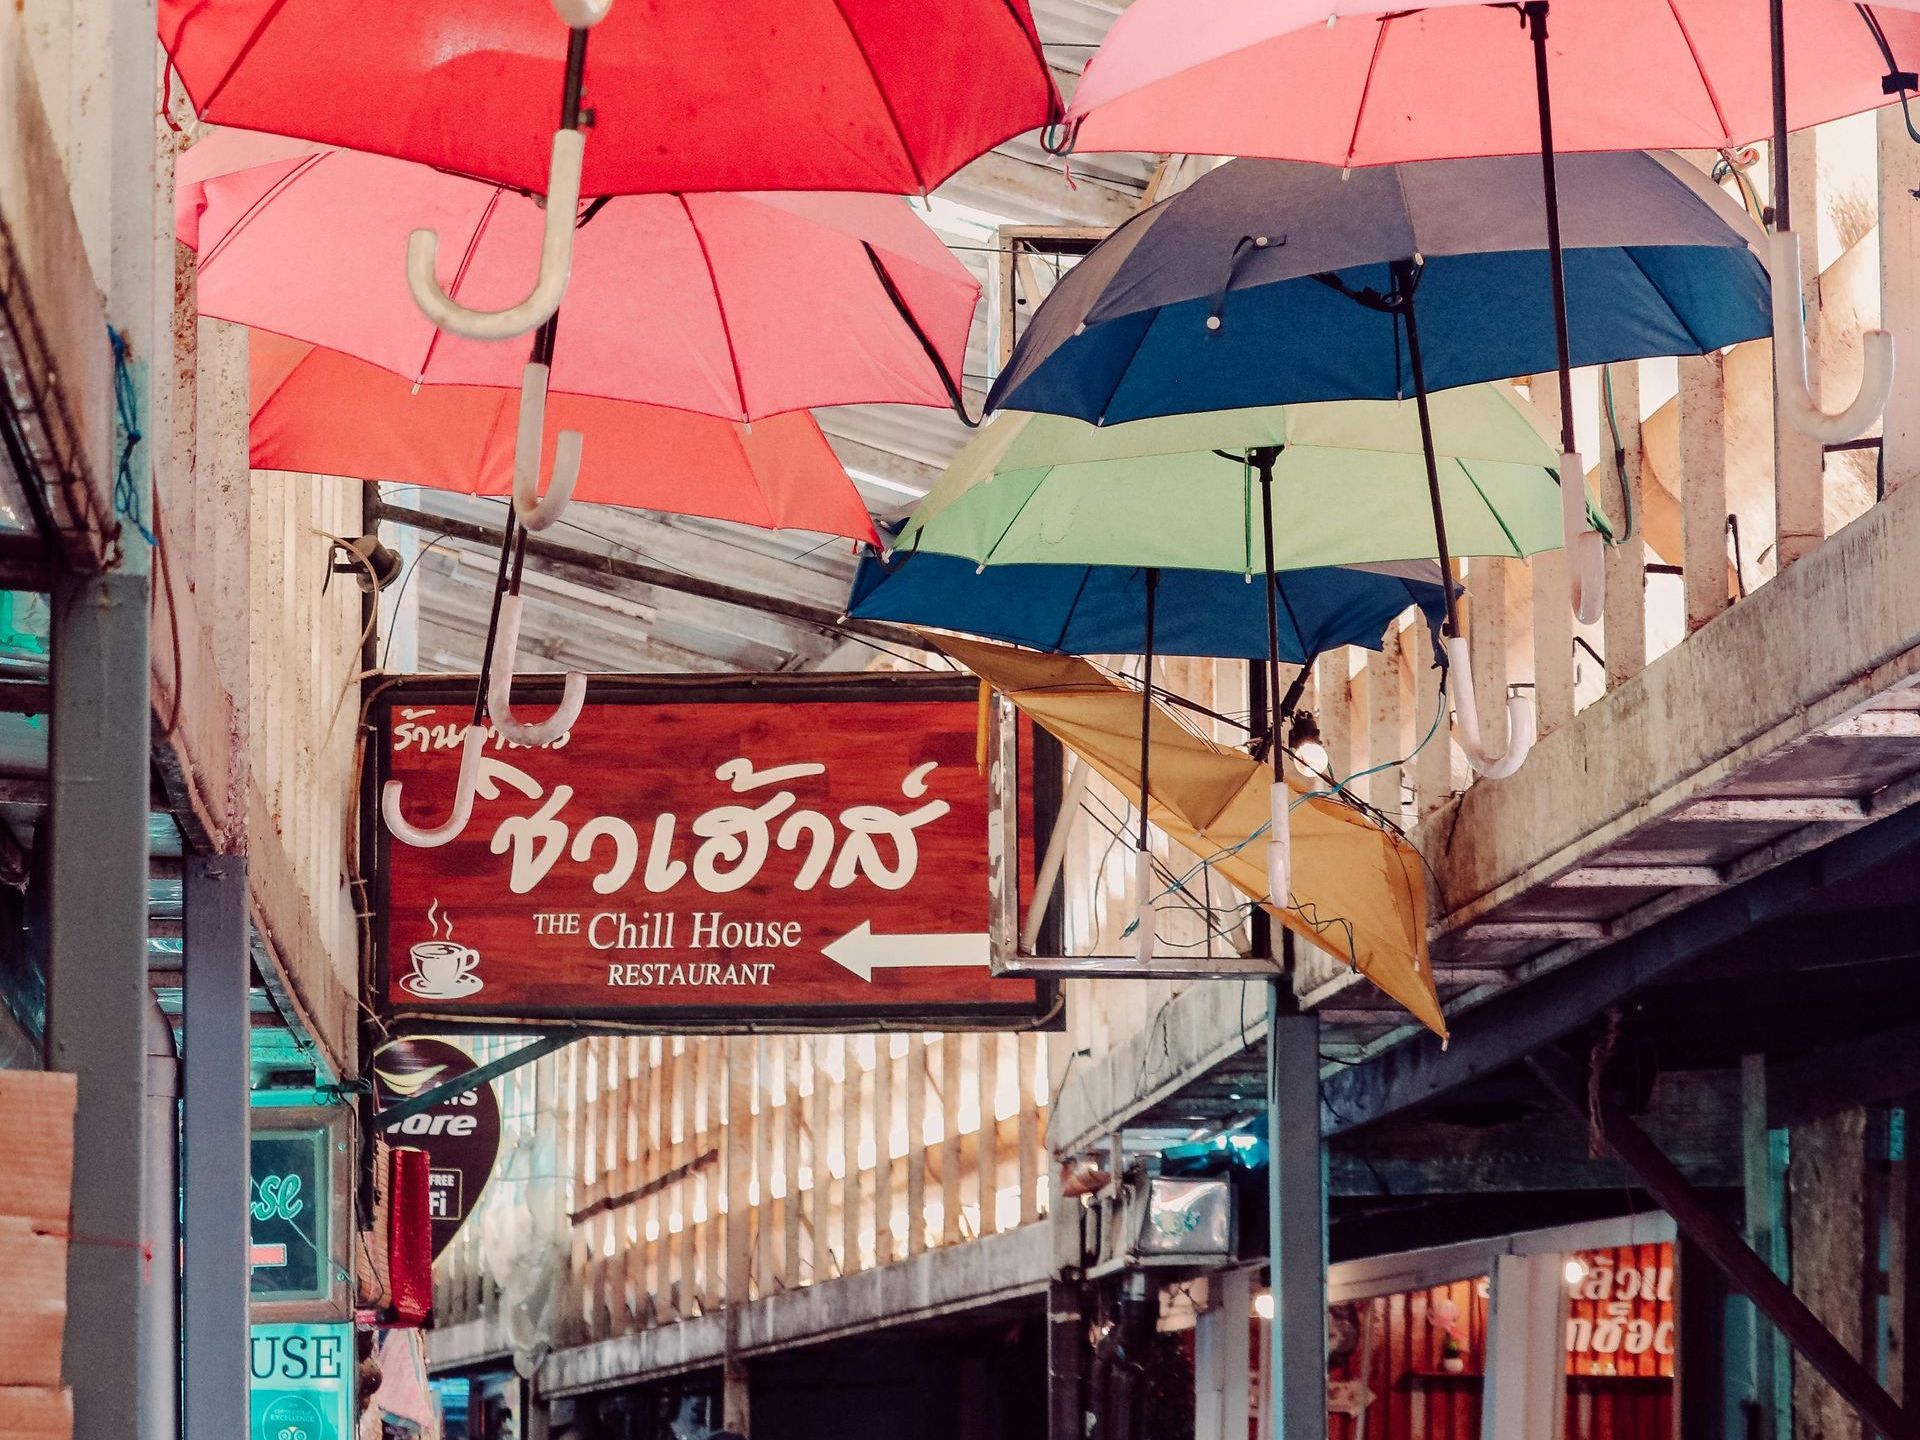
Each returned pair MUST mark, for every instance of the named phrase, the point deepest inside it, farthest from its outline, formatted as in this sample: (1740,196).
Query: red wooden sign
(786,852)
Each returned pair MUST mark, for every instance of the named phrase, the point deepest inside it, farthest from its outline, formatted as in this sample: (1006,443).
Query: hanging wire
(126,401)
(1631,520)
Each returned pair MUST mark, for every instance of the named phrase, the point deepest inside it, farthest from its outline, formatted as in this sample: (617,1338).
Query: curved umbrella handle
(1147,933)
(1279,844)
(1586,547)
(556,259)
(470,754)
(581,14)
(1466,720)
(534,510)
(1790,357)
(500,687)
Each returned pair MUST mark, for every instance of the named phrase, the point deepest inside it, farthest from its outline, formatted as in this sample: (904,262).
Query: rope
(1602,1056)
(126,400)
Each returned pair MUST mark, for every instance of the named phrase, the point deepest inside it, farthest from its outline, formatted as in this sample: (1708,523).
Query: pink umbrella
(735,306)
(1339,82)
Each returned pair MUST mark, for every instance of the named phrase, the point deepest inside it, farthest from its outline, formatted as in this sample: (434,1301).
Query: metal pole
(1536,15)
(1777,161)
(97,995)
(1403,283)
(1146,708)
(160,1345)
(1296,1207)
(217,1034)
(1264,459)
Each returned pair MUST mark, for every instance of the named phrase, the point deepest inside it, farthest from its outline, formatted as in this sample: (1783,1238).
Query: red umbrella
(778,473)
(890,96)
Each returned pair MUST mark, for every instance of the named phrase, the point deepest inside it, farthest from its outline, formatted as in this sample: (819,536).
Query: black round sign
(461,1134)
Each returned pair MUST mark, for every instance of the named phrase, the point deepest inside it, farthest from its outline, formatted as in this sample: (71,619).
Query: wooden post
(1799,484)
(1722,1245)
(1066,1360)
(1900,293)
(1703,487)
(1552,599)
(1626,609)
(1487,645)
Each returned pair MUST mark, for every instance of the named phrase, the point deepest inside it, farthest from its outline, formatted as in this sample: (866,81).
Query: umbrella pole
(510,541)
(1146,933)
(1586,550)
(1279,799)
(1403,293)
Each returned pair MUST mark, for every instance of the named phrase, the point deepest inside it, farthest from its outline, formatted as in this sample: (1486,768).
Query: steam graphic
(440,924)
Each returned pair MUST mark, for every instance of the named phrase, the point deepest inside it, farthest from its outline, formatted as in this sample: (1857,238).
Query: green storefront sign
(301,1166)
(302,1382)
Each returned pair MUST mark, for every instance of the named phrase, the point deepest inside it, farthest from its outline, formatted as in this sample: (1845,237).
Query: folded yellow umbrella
(1357,888)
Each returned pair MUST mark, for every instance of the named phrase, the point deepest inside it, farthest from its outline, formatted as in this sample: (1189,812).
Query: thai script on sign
(724,847)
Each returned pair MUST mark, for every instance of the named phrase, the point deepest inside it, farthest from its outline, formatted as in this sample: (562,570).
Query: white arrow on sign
(864,952)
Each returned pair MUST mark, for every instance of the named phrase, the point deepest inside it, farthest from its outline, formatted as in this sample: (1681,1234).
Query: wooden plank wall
(793,1159)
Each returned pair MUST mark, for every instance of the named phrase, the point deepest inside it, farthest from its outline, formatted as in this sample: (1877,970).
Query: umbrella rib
(1366,88)
(1153,319)
(240,57)
(1066,624)
(1693,54)
(1519,551)
(253,211)
(719,306)
(886,98)
(1700,347)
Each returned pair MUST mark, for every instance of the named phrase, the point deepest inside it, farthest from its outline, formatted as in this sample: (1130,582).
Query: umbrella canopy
(1101,609)
(777,474)
(1357,890)
(878,95)
(1265,282)
(733,305)
(1349,487)
(1387,87)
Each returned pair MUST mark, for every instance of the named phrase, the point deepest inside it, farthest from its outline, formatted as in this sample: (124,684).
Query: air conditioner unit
(1164,1223)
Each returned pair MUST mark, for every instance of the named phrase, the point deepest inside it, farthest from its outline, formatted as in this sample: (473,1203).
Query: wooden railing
(708,1171)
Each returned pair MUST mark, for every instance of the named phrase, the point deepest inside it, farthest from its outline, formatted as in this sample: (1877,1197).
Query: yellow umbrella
(1357,889)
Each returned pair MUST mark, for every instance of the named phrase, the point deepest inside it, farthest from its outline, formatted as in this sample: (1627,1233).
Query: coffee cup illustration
(443,969)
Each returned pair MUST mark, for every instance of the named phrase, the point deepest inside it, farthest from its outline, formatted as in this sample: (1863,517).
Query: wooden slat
(763,1125)
(987,1164)
(820,1252)
(1703,496)
(916,1144)
(579,1325)
(851,1087)
(949,1139)
(1027,1054)
(737,1157)
(790,1127)
(1626,615)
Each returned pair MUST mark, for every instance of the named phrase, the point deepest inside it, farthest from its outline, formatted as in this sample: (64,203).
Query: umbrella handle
(1790,357)
(581,14)
(500,687)
(1586,547)
(428,839)
(1279,844)
(1466,719)
(537,511)
(1147,933)
(556,259)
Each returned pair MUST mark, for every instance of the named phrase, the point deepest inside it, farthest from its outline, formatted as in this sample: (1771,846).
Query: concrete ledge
(1007,1266)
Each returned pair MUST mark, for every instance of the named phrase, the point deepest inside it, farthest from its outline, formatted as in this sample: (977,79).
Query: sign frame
(335,1123)
(1045,1013)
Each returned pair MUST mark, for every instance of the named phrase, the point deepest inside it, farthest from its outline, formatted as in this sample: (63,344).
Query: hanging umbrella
(1579,75)
(778,473)
(740,306)
(1270,282)
(1357,889)
(1101,609)
(890,96)
(707,318)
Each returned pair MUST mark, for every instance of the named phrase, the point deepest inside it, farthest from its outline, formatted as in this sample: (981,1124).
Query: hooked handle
(428,839)
(1147,933)
(1466,719)
(500,687)
(1586,546)
(1279,844)
(537,511)
(556,259)
(1795,397)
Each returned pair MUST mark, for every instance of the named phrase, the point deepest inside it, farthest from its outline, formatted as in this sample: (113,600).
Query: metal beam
(1517,1022)
(1798,809)
(1864,1071)
(589,567)
(97,997)
(1720,1243)
(217,1037)
(1603,877)
(1297,1208)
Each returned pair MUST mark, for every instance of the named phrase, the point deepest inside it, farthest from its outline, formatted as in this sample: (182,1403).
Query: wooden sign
(774,853)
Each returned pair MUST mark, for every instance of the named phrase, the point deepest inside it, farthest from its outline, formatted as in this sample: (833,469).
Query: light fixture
(1303,739)
(366,559)
(1576,1270)
(1263,1305)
